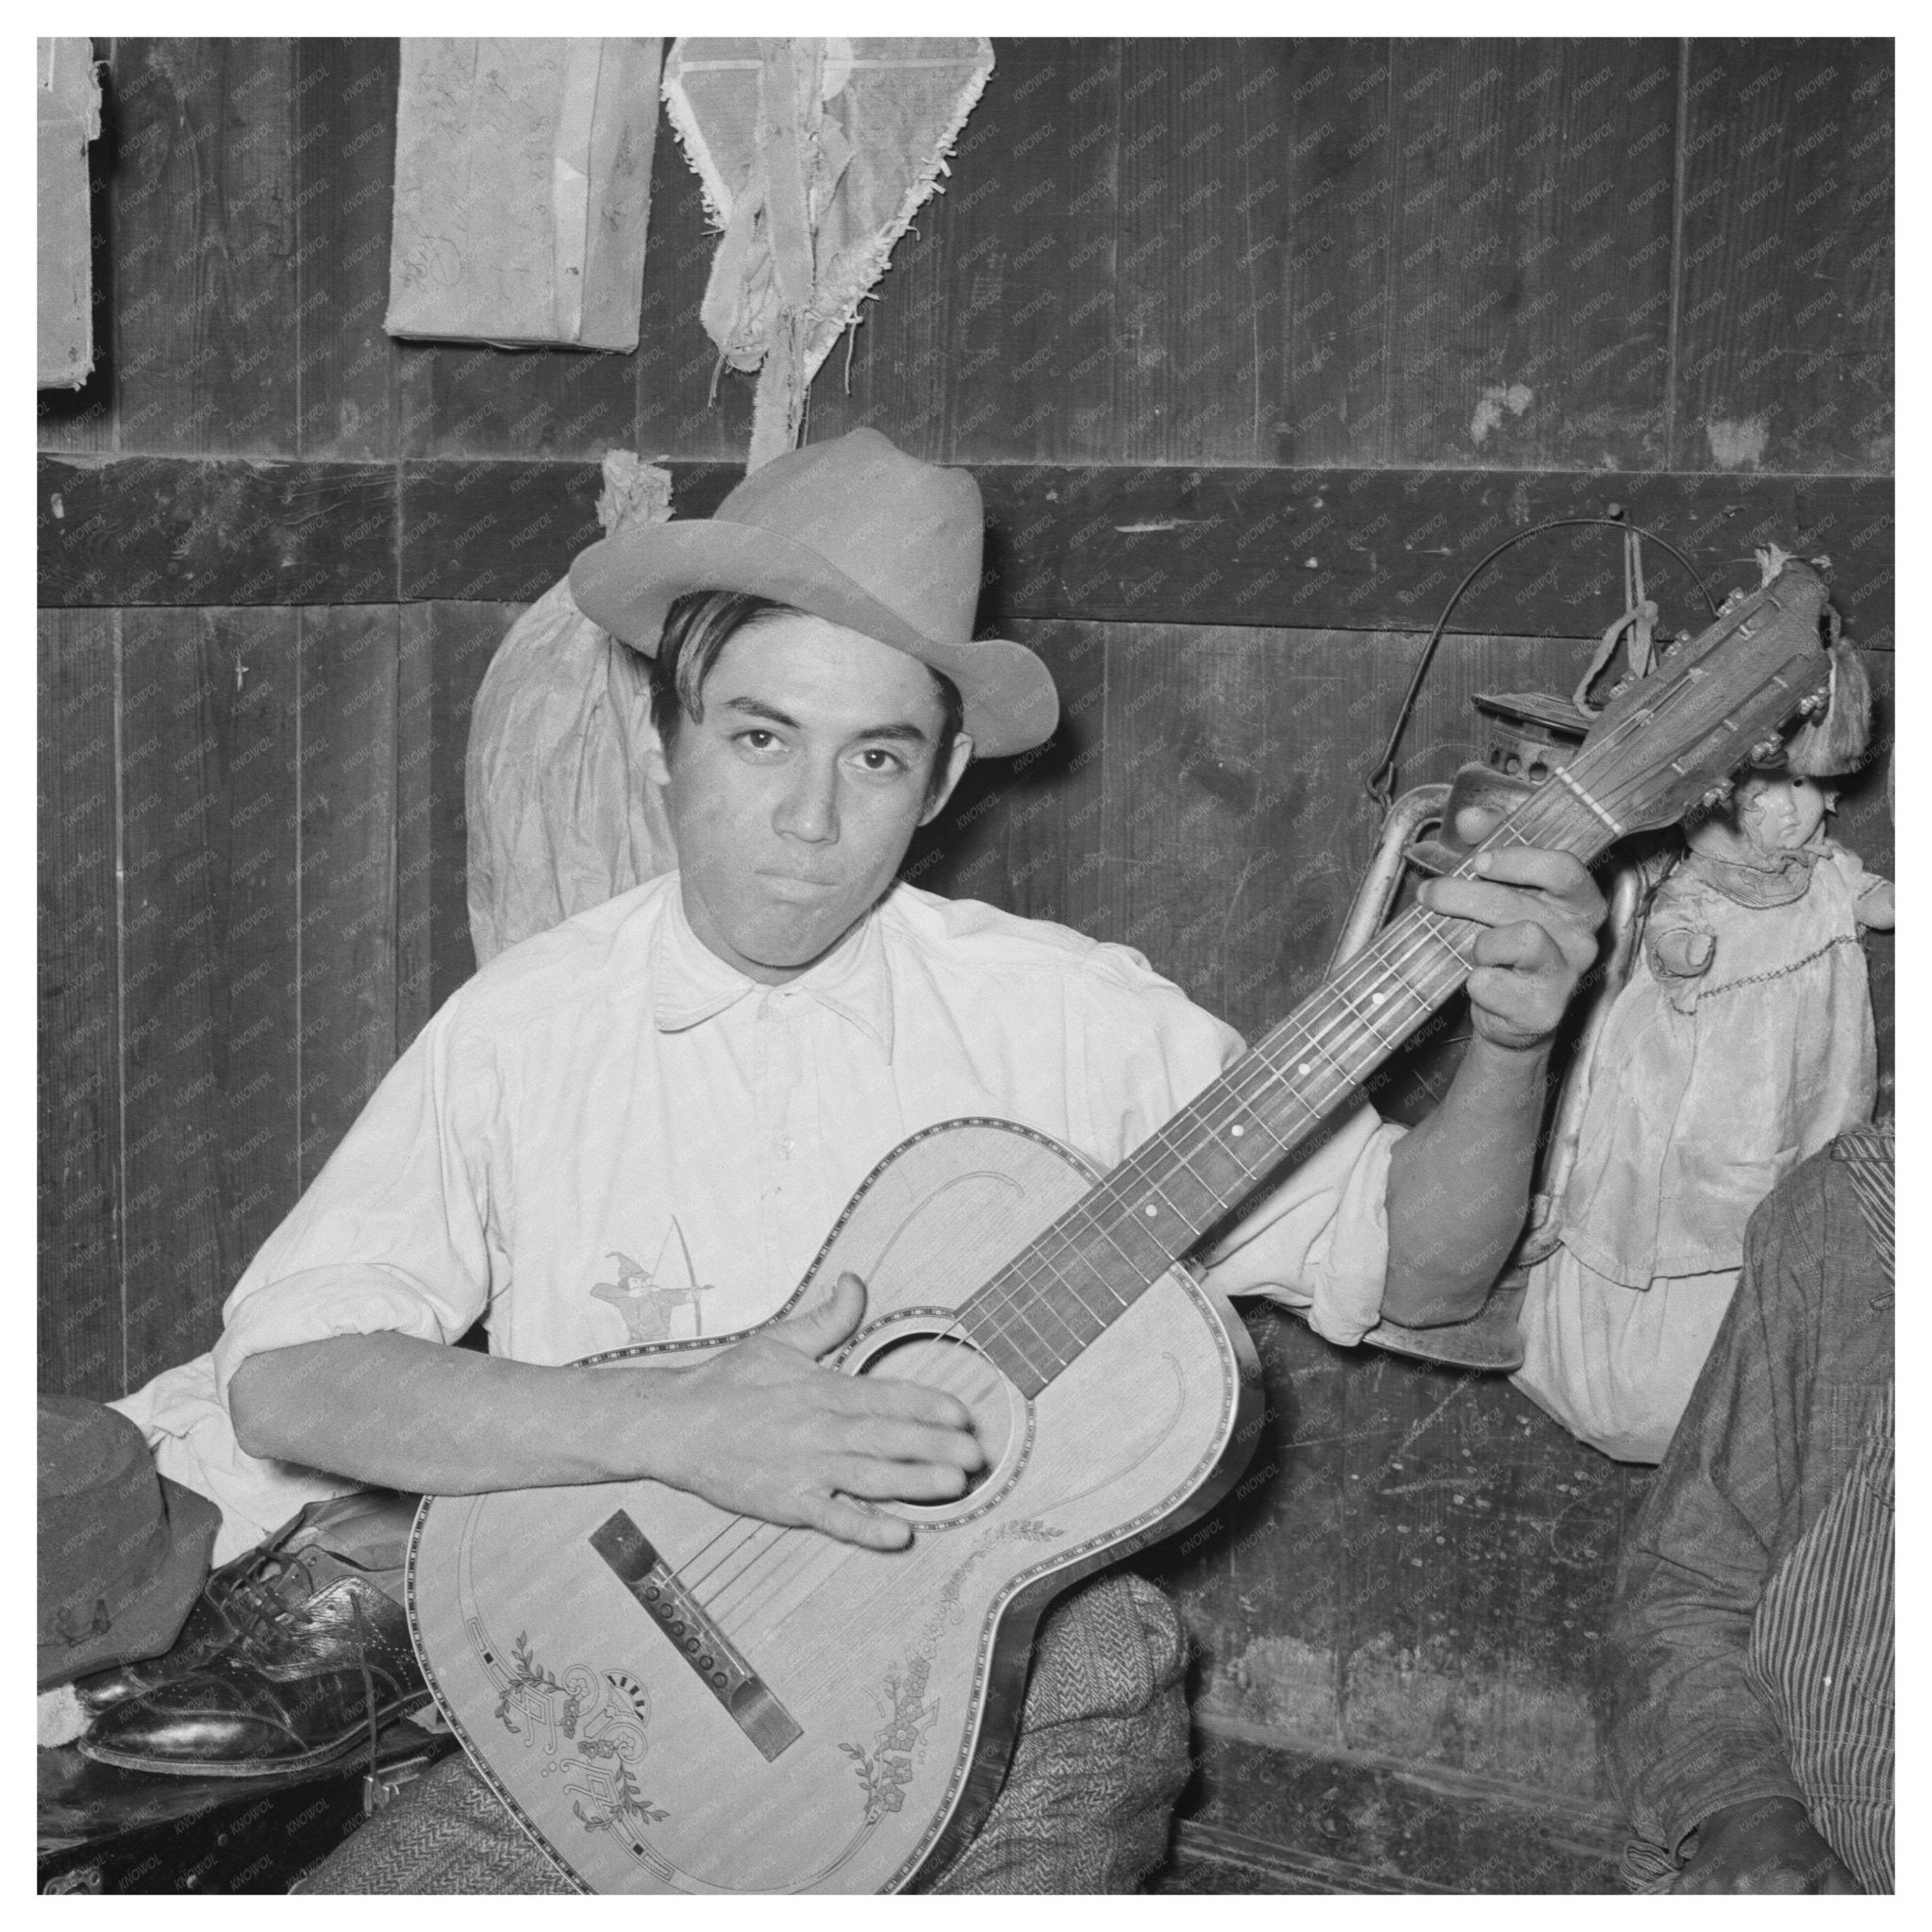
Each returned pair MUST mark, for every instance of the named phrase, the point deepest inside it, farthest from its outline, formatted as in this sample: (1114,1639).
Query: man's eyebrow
(757,707)
(895,734)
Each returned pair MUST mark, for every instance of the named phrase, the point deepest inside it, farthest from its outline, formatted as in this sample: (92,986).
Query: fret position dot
(1237,1131)
(1305,1067)
(1152,1210)
(1376,999)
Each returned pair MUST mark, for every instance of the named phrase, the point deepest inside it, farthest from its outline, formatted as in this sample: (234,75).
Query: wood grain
(208,794)
(1785,303)
(497,532)
(346,369)
(205,285)
(1361,550)
(179,531)
(1529,252)
(79,1069)
(346,1035)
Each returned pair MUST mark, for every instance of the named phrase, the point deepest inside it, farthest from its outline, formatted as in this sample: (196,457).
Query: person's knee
(1114,1647)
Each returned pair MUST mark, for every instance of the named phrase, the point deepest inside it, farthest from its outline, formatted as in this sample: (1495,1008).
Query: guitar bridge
(720,1668)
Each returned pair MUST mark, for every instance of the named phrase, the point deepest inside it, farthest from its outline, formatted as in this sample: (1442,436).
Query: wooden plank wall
(1417,295)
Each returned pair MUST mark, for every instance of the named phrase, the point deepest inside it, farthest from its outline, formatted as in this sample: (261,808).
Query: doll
(1742,1043)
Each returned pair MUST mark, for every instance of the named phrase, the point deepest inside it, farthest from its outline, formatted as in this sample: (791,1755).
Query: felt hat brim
(628,582)
(1492,1338)
(145,1619)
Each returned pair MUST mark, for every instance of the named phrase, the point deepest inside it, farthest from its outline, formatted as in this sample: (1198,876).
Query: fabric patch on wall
(814,157)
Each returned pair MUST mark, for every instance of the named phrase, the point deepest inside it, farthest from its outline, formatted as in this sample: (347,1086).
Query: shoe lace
(268,1607)
(266,1599)
(364,1636)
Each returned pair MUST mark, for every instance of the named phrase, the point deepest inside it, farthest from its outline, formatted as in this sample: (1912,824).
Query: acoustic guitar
(670,1698)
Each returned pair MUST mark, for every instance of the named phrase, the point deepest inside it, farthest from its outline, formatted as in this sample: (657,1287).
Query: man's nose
(808,810)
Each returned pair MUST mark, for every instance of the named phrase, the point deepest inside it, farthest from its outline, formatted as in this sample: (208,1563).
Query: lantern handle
(1381,781)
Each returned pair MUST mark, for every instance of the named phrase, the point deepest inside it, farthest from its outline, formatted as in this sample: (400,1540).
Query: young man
(681,1089)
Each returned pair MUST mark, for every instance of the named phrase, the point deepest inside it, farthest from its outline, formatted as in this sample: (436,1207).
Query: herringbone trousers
(1101,1756)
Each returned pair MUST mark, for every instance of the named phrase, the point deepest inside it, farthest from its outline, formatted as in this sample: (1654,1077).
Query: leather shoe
(303,1682)
(250,1585)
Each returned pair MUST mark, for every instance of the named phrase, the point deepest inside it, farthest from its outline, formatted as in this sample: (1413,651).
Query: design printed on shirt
(648,1297)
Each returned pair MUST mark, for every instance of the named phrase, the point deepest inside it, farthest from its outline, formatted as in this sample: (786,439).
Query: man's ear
(657,766)
(957,758)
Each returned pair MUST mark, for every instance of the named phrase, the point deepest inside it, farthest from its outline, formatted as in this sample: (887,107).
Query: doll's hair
(1835,745)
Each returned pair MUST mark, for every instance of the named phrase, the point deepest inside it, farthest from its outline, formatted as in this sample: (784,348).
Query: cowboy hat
(854,531)
(124,1552)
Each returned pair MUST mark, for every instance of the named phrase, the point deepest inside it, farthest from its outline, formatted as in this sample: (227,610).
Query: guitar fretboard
(1062,1293)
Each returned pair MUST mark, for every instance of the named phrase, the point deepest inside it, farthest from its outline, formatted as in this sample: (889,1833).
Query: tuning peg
(1717,794)
(1815,703)
(1766,748)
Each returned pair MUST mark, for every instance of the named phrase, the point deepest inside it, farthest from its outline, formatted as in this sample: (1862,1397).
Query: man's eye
(875,759)
(757,739)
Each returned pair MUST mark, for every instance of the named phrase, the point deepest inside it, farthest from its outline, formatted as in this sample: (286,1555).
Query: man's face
(793,798)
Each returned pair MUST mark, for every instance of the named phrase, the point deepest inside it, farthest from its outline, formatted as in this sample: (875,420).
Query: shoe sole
(308,1760)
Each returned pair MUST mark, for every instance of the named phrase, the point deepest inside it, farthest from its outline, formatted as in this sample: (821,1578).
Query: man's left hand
(1542,911)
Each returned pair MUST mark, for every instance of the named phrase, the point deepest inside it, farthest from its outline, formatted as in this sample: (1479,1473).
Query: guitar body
(670,1698)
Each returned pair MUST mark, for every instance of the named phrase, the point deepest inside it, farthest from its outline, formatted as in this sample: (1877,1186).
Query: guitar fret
(1052,1267)
(1043,1295)
(1245,1118)
(1365,1019)
(989,1329)
(1070,1250)
(1020,1307)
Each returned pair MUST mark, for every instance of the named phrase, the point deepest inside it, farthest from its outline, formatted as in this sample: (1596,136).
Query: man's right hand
(1765,1844)
(761,1427)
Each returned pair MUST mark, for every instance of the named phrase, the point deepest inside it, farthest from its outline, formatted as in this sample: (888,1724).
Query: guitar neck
(1060,1293)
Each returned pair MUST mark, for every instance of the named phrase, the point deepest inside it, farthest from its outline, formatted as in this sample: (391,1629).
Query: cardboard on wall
(523,190)
(69,99)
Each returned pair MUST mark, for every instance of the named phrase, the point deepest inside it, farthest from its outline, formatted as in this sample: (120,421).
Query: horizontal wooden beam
(1312,549)
(180,530)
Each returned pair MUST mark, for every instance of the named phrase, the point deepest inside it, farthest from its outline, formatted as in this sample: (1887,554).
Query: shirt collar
(691,984)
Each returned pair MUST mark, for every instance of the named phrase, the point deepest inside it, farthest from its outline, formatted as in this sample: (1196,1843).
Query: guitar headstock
(1719,701)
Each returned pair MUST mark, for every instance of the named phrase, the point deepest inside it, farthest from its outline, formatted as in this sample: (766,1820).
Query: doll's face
(1779,814)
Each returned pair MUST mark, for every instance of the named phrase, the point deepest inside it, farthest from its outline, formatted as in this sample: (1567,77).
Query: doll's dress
(1705,1089)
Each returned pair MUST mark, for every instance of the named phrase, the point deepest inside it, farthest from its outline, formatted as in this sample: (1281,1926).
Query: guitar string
(1525,827)
(1423,941)
(1429,938)
(1431,942)
(1030,1277)
(698,1578)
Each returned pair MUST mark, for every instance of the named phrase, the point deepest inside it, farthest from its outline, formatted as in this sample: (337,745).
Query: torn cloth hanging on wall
(561,816)
(523,191)
(814,157)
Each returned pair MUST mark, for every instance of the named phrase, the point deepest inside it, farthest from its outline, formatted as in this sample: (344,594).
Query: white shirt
(610,1135)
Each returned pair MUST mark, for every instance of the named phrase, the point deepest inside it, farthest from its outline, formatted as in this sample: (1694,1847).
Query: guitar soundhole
(948,1362)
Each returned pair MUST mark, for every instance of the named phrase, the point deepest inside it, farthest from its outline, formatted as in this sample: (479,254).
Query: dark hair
(700,624)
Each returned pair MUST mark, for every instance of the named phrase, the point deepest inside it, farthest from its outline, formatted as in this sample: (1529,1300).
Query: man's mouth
(790,884)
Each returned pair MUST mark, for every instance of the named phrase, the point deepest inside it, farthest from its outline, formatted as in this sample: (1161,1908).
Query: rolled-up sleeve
(393,1232)
(1314,1239)
(1317,1241)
